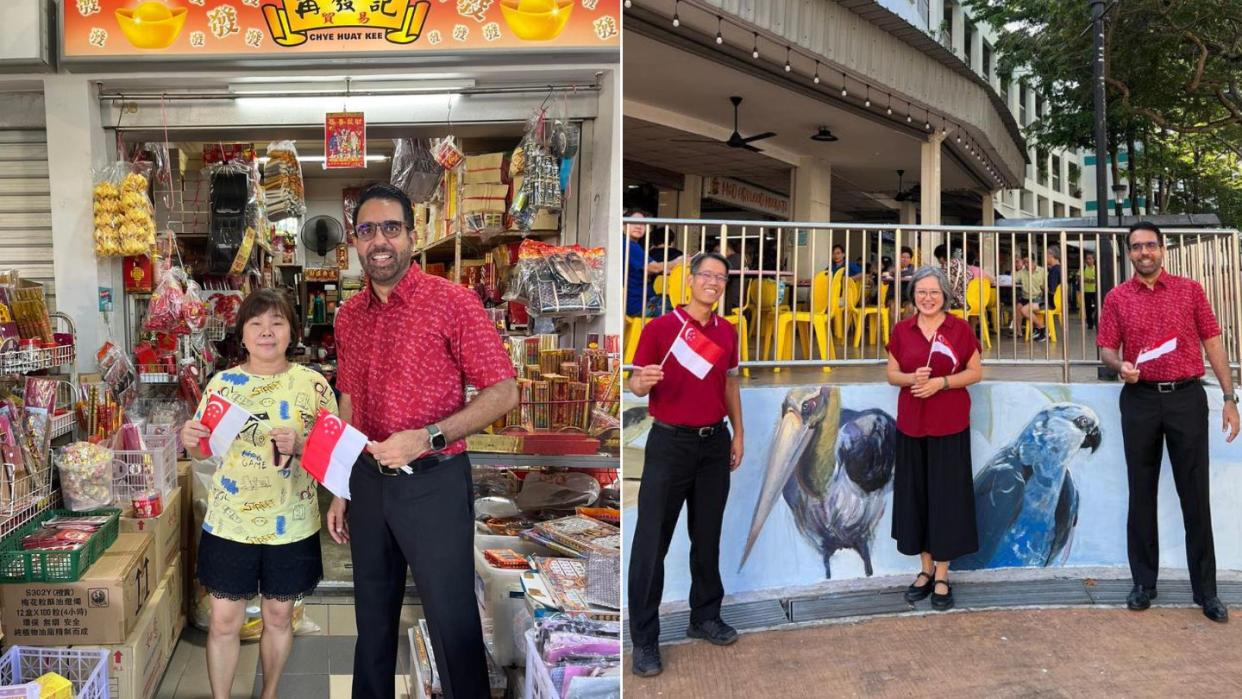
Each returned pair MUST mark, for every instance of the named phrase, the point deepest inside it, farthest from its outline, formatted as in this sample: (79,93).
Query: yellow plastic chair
(978,296)
(761,308)
(1049,316)
(815,318)
(844,297)
(879,311)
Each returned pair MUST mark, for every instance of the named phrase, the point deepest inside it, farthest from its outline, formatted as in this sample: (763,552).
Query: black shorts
(237,571)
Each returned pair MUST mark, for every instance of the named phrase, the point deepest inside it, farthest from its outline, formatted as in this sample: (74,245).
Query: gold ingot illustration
(151,25)
(536,20)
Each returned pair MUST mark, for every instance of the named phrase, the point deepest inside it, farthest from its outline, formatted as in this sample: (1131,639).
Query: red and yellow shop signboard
(120,29)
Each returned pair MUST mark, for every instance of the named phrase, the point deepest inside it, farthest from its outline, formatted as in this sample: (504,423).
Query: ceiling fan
(735,139)
(911,194)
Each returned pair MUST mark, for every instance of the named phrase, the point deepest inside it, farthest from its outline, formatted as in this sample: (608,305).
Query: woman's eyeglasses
(391,229)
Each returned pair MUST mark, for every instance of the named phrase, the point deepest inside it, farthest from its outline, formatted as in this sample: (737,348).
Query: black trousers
(426,520)
(679,469)
(1149,420)
(1088,299)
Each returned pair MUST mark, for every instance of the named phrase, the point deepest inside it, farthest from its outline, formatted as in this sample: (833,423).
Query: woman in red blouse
(933,357)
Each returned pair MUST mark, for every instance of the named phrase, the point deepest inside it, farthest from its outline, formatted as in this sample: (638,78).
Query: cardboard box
(174,585)
(102,607)
(166,530)
(136,666)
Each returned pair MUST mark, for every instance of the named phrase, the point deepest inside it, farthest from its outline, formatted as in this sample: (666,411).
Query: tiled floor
(321,664)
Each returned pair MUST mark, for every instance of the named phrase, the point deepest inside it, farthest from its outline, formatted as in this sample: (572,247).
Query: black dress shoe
(1215,610)
(714,631)
(647,660)
(1140,598)
(941,603)
(916,593)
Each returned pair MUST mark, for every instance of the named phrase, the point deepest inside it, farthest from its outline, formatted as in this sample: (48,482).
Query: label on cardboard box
(166,530)
(102,607)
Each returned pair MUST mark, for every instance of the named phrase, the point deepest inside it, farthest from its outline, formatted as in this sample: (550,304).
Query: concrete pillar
(929,180)
(76,143)
(690,199)
(987,253)
(959,30)
(989,208)
(667,207)
(976,52)
(909,213)
(812,202)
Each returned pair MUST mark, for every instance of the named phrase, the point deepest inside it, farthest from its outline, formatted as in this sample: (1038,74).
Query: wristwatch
(946,381)
(437,438)
(1231,397)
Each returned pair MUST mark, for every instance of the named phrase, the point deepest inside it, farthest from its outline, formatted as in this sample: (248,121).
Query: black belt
(700,432)
(422,465)
(1169,386)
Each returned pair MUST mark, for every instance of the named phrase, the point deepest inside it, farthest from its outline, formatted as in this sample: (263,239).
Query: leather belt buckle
(1166,386)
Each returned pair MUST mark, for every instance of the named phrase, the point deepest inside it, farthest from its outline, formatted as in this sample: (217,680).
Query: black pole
(1107,263)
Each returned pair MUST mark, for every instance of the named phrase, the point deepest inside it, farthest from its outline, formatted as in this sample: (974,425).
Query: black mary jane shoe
(939,602)
(917,593)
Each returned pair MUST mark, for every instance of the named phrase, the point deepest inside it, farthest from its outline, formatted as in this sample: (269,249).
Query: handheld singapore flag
(331,449)
(694,350)
(1165,346)
(226,420)
(941,346)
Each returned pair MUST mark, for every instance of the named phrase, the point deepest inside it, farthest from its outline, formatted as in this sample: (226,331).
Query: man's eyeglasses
(391,229)
(711,277)
(1148,246)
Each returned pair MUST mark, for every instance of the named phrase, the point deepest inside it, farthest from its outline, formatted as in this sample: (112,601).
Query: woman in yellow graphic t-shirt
(260,532)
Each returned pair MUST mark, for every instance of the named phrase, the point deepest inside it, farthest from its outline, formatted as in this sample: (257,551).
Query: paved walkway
(1084,652)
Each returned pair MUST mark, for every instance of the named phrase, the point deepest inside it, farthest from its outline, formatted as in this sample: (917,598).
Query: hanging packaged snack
(284,192)
(194,312)
(415,170)
(117,372)
(164,309)
(38,402)
(448,154)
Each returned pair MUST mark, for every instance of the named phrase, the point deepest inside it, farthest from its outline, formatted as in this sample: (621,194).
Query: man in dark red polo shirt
(407,346)
(689,457)
(1151,328)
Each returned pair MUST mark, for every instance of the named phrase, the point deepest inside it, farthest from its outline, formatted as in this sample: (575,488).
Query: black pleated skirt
(934,496)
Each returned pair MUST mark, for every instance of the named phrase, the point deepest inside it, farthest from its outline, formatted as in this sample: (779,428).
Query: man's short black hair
(383,190)
(940,252)
(907,250)
(697,261)
(838,246)
(1146,226)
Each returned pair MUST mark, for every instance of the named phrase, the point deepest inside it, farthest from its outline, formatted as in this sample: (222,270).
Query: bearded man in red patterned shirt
(1151,329)
(406,347)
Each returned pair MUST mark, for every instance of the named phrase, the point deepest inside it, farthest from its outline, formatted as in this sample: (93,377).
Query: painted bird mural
(833,466)
(1026,503)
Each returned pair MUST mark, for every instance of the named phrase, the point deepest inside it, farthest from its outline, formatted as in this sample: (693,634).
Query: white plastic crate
(86,669)
(62,424)
(216,329)
(153,468)
(538,678)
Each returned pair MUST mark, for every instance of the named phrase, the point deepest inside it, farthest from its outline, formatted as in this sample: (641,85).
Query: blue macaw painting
(812,500)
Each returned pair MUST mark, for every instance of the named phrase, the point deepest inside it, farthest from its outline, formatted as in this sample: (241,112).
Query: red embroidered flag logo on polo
(696,351)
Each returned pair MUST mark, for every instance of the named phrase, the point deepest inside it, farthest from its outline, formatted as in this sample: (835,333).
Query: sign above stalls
(232,29)
(723,189)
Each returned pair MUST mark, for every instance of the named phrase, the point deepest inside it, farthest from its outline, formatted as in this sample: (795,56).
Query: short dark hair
(838,246)
(385,191)
(940,252)
(635,211)
(697,261)
(1146,226)
(262,301)
(908,250)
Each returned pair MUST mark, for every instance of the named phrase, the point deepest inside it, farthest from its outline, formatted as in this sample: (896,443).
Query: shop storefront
(182,155)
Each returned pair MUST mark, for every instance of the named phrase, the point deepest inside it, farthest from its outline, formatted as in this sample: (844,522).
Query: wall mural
(812,500)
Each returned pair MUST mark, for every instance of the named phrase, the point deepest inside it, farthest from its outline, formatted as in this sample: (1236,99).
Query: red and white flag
(331,449)
(1165,346)
(694,350)
(940,345)
(226,420)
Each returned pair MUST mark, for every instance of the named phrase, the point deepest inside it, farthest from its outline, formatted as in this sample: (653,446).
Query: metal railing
(792,287)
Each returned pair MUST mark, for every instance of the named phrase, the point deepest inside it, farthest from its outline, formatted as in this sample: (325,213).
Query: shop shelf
(62,424)
(19,566)
(85,668)
(155,374)
(534,460)
(25,361)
